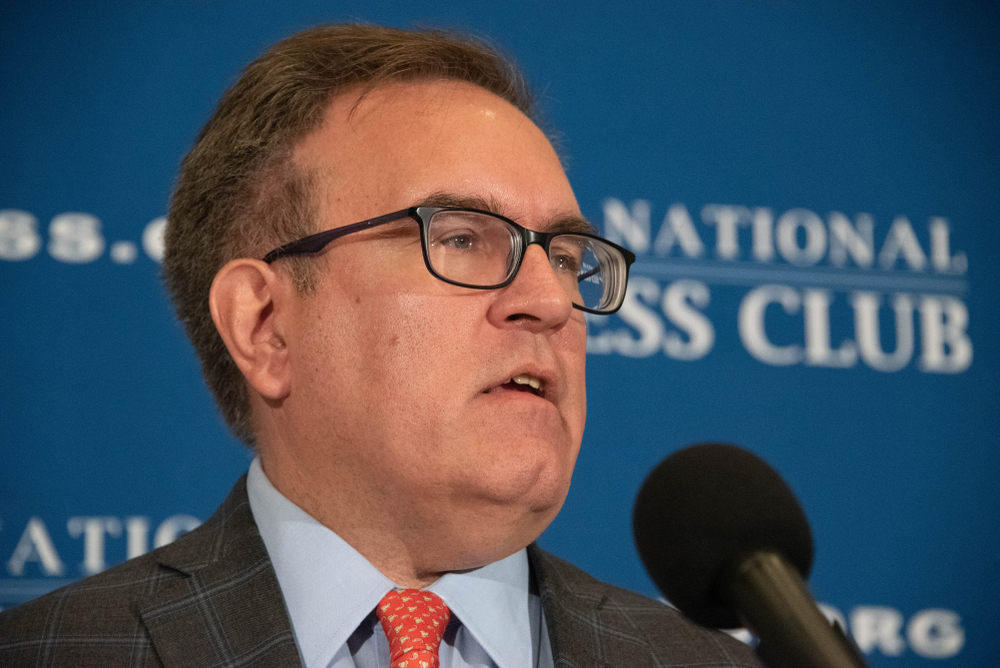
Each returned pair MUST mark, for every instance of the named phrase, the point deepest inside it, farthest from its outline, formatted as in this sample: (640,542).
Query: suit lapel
(217,602)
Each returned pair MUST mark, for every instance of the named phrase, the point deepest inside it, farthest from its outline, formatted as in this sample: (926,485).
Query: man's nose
(535,298)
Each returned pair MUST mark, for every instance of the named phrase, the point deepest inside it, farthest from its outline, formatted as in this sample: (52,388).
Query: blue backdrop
(811,191)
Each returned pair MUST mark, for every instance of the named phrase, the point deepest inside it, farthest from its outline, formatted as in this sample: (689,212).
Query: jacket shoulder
(90,622)
(592,623)
(98,620)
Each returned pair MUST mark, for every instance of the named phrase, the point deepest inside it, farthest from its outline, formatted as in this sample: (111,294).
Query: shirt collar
(495,606)
(329,588)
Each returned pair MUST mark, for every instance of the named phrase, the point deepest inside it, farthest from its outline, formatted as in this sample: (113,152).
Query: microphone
(726,541)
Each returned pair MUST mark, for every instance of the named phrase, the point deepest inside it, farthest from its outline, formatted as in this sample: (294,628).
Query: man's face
(401,390)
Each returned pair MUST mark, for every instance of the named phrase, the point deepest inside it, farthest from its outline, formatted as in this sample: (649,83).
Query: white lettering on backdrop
(820,293)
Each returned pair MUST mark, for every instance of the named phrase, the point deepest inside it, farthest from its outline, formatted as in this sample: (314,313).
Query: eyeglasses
(477,249)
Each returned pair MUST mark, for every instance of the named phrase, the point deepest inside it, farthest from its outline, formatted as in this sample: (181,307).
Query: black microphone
(726,541)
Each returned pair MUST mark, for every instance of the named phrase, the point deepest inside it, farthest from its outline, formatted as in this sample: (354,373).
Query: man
(413,382)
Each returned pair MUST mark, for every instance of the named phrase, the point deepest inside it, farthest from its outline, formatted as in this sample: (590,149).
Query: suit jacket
(211,598)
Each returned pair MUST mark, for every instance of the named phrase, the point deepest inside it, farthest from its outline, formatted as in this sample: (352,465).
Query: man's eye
(458,242)
(565,264)
(460,239)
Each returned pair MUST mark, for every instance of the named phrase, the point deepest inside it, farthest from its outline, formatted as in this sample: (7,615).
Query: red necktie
(414,622)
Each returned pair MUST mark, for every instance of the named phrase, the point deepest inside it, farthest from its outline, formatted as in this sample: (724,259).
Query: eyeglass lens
(480,250)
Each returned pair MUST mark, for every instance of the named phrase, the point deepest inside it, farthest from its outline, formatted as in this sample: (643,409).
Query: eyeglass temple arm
(582,277)
(314,243)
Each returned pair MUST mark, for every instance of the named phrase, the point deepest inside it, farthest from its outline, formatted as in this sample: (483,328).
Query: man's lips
(522,382)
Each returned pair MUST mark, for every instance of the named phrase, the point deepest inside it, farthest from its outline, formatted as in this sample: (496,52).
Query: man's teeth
(525,379)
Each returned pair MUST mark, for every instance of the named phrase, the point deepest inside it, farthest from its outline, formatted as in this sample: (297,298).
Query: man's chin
(526,484)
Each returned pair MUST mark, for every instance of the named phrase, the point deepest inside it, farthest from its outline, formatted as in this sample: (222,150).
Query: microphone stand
(773,602)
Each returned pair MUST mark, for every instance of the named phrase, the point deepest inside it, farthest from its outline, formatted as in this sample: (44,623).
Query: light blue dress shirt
(331,591)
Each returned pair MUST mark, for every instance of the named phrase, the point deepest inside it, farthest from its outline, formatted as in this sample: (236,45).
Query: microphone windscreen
(704,508)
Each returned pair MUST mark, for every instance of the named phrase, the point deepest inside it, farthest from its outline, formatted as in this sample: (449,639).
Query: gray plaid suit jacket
(211,599)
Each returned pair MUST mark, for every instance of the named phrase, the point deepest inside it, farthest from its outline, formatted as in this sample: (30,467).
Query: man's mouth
(525,382)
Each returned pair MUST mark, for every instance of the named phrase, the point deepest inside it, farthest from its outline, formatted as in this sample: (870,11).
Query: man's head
(239,193)
(394,407)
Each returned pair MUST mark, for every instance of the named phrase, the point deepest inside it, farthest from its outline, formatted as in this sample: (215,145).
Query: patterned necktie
(414,622)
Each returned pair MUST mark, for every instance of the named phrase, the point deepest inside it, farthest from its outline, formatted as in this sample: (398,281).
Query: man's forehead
(468,148)
(434,91)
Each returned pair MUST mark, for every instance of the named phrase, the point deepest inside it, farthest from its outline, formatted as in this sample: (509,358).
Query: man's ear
(248,300)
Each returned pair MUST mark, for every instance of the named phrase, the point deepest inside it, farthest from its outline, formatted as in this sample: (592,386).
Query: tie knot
(414,622)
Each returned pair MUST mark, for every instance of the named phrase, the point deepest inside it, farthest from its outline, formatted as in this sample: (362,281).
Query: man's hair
(239,194)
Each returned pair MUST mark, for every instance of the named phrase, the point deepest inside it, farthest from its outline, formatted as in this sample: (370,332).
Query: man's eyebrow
(573,223)
(452,200)
(562,222)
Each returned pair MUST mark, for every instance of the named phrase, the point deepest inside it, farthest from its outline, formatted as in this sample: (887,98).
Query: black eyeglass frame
(314,243)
